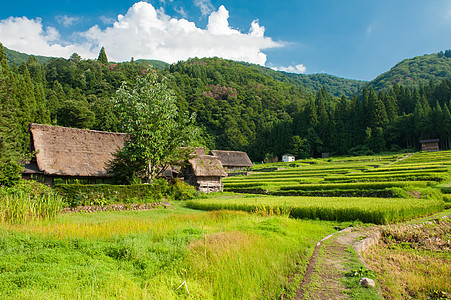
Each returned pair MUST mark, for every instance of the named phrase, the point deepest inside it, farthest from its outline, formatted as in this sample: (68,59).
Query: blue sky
(357,39)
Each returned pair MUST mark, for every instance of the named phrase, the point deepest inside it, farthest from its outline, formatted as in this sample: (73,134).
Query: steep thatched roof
(199,151)
(73,152)
(232,158)
(207,165)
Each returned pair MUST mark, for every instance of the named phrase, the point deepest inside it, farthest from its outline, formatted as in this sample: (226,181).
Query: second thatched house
(232,160)
(63,152)
(204,172)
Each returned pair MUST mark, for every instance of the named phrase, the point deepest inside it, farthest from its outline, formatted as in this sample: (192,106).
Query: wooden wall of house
(430,147)
(209,184)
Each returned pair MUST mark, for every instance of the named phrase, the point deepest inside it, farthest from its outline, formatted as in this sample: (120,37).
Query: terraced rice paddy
(375,189)
(368,173)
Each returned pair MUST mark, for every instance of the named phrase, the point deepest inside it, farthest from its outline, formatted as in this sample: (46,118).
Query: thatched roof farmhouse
(71,152)
(205,172)
(232,160)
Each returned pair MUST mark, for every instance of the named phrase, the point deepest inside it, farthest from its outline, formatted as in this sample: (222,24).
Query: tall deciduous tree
(148,113)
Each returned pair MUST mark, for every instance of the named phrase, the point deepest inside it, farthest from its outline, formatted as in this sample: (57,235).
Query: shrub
(103,194)
(9,173)
(182,191)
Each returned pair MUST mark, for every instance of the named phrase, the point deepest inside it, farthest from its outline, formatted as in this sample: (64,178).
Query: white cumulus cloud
(298,69)
(205,6)
(66,20)
(30,36)
(144,32)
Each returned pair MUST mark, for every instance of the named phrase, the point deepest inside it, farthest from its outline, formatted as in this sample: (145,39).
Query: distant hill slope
(410,72)
(415,71)
(313,82)
(16,58)
(157,64)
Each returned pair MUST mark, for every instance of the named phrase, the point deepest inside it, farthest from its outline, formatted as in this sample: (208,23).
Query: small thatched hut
(232,160)
(63,152)
(204,172)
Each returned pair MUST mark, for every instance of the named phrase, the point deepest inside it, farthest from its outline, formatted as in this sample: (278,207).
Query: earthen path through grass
(328,264)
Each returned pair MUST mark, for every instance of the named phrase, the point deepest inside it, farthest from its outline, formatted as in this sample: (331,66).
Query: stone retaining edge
(367,242)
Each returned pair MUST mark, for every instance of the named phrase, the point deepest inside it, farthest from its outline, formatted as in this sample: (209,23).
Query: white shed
(288,158)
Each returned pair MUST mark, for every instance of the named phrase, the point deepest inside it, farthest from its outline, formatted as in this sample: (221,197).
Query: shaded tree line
(366,124)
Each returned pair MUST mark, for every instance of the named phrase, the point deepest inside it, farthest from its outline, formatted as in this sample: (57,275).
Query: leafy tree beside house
(148,112)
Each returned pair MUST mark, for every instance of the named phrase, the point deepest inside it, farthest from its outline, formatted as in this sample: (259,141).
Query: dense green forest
(16,58)
(314,82)
(416,71)
(238,106)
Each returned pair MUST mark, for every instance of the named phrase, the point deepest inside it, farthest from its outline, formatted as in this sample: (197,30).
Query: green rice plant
(427,157)
(369,210)
(380,193)
(408,172)
(28,202)
(277,180)
(438,177)
(429,167)
(354,185)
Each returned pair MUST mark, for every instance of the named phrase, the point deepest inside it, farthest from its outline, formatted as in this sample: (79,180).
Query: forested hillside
(234,103)
(243,110)
(314,82)
(16,58)
(238,107)
(416,71)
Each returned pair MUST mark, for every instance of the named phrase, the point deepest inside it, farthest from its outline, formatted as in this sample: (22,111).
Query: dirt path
(328,264)
(401,159)
(333,255)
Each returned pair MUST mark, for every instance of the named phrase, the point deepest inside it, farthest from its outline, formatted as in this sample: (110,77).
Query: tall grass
(28,202)
(150,254)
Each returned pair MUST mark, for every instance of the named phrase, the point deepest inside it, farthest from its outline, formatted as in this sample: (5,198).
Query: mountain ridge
(411,72)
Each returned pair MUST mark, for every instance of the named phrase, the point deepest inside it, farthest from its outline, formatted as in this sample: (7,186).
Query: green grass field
(158,254)
(249,245)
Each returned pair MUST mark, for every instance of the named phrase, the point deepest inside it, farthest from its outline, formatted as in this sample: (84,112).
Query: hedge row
(103,194)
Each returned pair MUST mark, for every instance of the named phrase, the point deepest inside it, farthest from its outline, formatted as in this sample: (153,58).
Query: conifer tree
(103,59)
(311,114)
(376,110)
(35,70)
(390,106)
(445,135)
(3,59)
